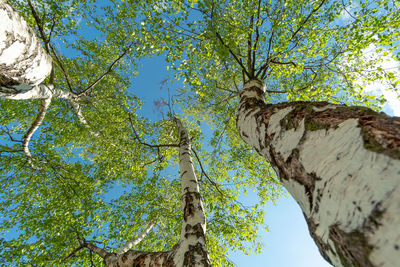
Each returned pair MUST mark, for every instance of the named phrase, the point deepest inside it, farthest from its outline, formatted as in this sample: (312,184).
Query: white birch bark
(191,248)
(44,105)
(22,57)
(131,243)
(341,164)
(45,93)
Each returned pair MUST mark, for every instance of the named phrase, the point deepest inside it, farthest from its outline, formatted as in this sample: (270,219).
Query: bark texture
(22,57)
(341,164)
(191,248)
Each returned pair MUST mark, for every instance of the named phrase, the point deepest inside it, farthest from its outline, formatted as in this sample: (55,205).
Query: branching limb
(7,131)
(307,18)
(73,252)
(39,24)
(144,143)
(311,82)
(258,24)
(233,54)
(107,71)
(249,46)
(128,245)
(99,251)
(77,109)
(60,64)
(35,125)
(283,63)
(264,67)
(205,174)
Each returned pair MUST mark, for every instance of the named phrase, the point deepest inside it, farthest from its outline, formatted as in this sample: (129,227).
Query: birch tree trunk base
(341,164)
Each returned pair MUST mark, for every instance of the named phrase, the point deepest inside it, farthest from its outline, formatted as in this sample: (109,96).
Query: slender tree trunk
(341,164)
(191,248)
(22,57)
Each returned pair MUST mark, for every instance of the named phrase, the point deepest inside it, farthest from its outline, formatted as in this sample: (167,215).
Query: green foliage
(104,187)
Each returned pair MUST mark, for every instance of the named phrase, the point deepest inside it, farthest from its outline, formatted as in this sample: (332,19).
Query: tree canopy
(99,172)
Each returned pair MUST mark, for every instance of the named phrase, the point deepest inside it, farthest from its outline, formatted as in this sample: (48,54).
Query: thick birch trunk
(22,57)
(341,164)
(191,248)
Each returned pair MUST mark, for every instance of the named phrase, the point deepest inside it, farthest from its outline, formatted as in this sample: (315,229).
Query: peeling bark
(22,57)
(341,164)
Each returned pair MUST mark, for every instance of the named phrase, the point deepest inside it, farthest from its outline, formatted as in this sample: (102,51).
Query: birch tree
(340,163)
(328,155)
(73,139)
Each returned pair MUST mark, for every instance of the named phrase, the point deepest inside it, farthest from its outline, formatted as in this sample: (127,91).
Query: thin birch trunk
(341,164)
(191,248)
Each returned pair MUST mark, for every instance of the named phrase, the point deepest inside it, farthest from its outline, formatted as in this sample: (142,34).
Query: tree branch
(45,103)
(128,245)
(264,67)
(283,63)
(205,174)
(233,54)
(7,131)
(99,251)
(108,70)
(305,21)
(249,47)
(73,252)
(68,79)
(78,111)
(257,35)
(144,143)
(39,23)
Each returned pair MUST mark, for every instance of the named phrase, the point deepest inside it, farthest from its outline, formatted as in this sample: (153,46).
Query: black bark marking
(380,134)
(185,153)
(193,251)
(124,258)
(189,208)
(323,247)
(352,248)
(292,169)
(195,230)
(183,173)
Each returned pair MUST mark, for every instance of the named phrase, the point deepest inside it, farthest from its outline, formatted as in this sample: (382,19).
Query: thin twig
(144,143)
(108,70)
(68,79)
(73,252)
(305,21)
(7,131)
(233,54)
(205,174)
